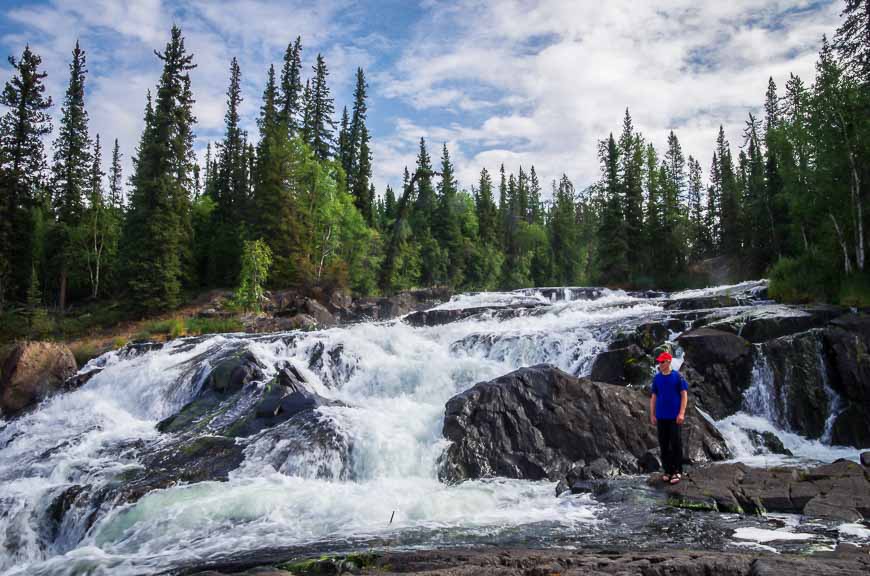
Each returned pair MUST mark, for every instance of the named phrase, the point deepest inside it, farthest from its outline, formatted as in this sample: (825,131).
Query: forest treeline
(790,201)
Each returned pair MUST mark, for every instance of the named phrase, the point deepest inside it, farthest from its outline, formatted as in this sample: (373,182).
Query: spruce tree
(158,232)
(852,40)
(631,149)
(487,213)
(536,212)
(291,88)
(563,235)
(231,188)
(306,125)
(612,242)
(447,228)
(274,203)
(116,194)
(729,198)
(345,149)
(357,126)
(362,193)
(322,108)
(70,173)
(699,239)
(23,170)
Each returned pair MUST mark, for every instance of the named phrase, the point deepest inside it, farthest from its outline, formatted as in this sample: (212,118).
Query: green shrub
(855,290)
(807,278)
(256,260)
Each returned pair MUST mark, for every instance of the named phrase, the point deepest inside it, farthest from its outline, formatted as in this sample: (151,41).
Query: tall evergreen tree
(758,223)
(274,203)
(291,87)
(852,41)
(345,149)
(699,236)
(157,233)
(536,211)
(564,235)
(22,170)
(362,192)
(231,188)
(729,198)
(116,194)
(357,125)
(306,126)
(631,164)
(612,242)
(676,166)
(487,213)
(70,172)
(322,108)
(447,228)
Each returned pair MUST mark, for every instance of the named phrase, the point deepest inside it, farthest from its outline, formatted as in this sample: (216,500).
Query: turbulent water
(394,380)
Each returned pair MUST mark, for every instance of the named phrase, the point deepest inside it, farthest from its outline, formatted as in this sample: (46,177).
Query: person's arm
(684,399)
(652,409)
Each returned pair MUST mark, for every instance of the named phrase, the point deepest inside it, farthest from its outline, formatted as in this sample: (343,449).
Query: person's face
(665,366)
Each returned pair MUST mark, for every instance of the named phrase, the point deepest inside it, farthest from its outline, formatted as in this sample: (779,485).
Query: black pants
(671,445)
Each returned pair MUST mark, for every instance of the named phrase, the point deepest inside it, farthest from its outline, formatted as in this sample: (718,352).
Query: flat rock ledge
(845,560)
(839,491)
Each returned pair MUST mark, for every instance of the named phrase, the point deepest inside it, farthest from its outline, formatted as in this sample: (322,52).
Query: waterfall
(335,480)
(760,399)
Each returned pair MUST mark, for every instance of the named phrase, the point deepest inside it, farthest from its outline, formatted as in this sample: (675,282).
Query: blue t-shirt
(667,390)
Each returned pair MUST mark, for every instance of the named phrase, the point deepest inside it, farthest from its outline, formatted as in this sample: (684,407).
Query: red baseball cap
(664,356)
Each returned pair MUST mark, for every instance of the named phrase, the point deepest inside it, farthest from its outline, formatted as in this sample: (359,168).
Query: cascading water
(393,381)
(388,383)
(764,410)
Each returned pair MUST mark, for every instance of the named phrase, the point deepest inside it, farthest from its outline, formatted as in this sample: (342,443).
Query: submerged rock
(31,372)
(767,442)
(537,422)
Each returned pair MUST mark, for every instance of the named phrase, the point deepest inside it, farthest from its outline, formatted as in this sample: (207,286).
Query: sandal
(666,478)
(675,479)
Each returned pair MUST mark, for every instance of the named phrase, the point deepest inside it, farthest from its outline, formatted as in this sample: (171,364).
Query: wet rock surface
(540,422)
(844,560)
(32,372)
(718,367)
(840,490)
(623,366)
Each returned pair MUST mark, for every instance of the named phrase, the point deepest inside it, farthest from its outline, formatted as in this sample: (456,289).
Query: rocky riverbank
(845,560)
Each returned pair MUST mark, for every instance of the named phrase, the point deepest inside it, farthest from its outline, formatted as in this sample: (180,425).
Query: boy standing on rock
(667,407)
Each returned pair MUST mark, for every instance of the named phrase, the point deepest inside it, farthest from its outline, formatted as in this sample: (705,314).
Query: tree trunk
(847,262)
(61,297)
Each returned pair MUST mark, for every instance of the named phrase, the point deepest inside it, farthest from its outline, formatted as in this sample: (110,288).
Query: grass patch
(696,505)
(324,565)
(85,350)
(178,326)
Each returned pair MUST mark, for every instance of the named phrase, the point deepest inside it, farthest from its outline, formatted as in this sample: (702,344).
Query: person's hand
(652,419)
(681,418)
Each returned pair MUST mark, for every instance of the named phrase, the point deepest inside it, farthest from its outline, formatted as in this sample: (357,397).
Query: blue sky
(512,81)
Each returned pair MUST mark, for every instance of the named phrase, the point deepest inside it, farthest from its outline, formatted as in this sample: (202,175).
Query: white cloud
(564,72)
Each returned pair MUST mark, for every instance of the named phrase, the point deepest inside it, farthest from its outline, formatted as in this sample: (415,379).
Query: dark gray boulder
(840,490)
(537,422)
(622,366)
(702,303)
(799,378)
(718,367)
(767,442)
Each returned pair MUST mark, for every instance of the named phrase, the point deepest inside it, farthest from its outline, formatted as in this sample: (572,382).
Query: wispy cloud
(510,81)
